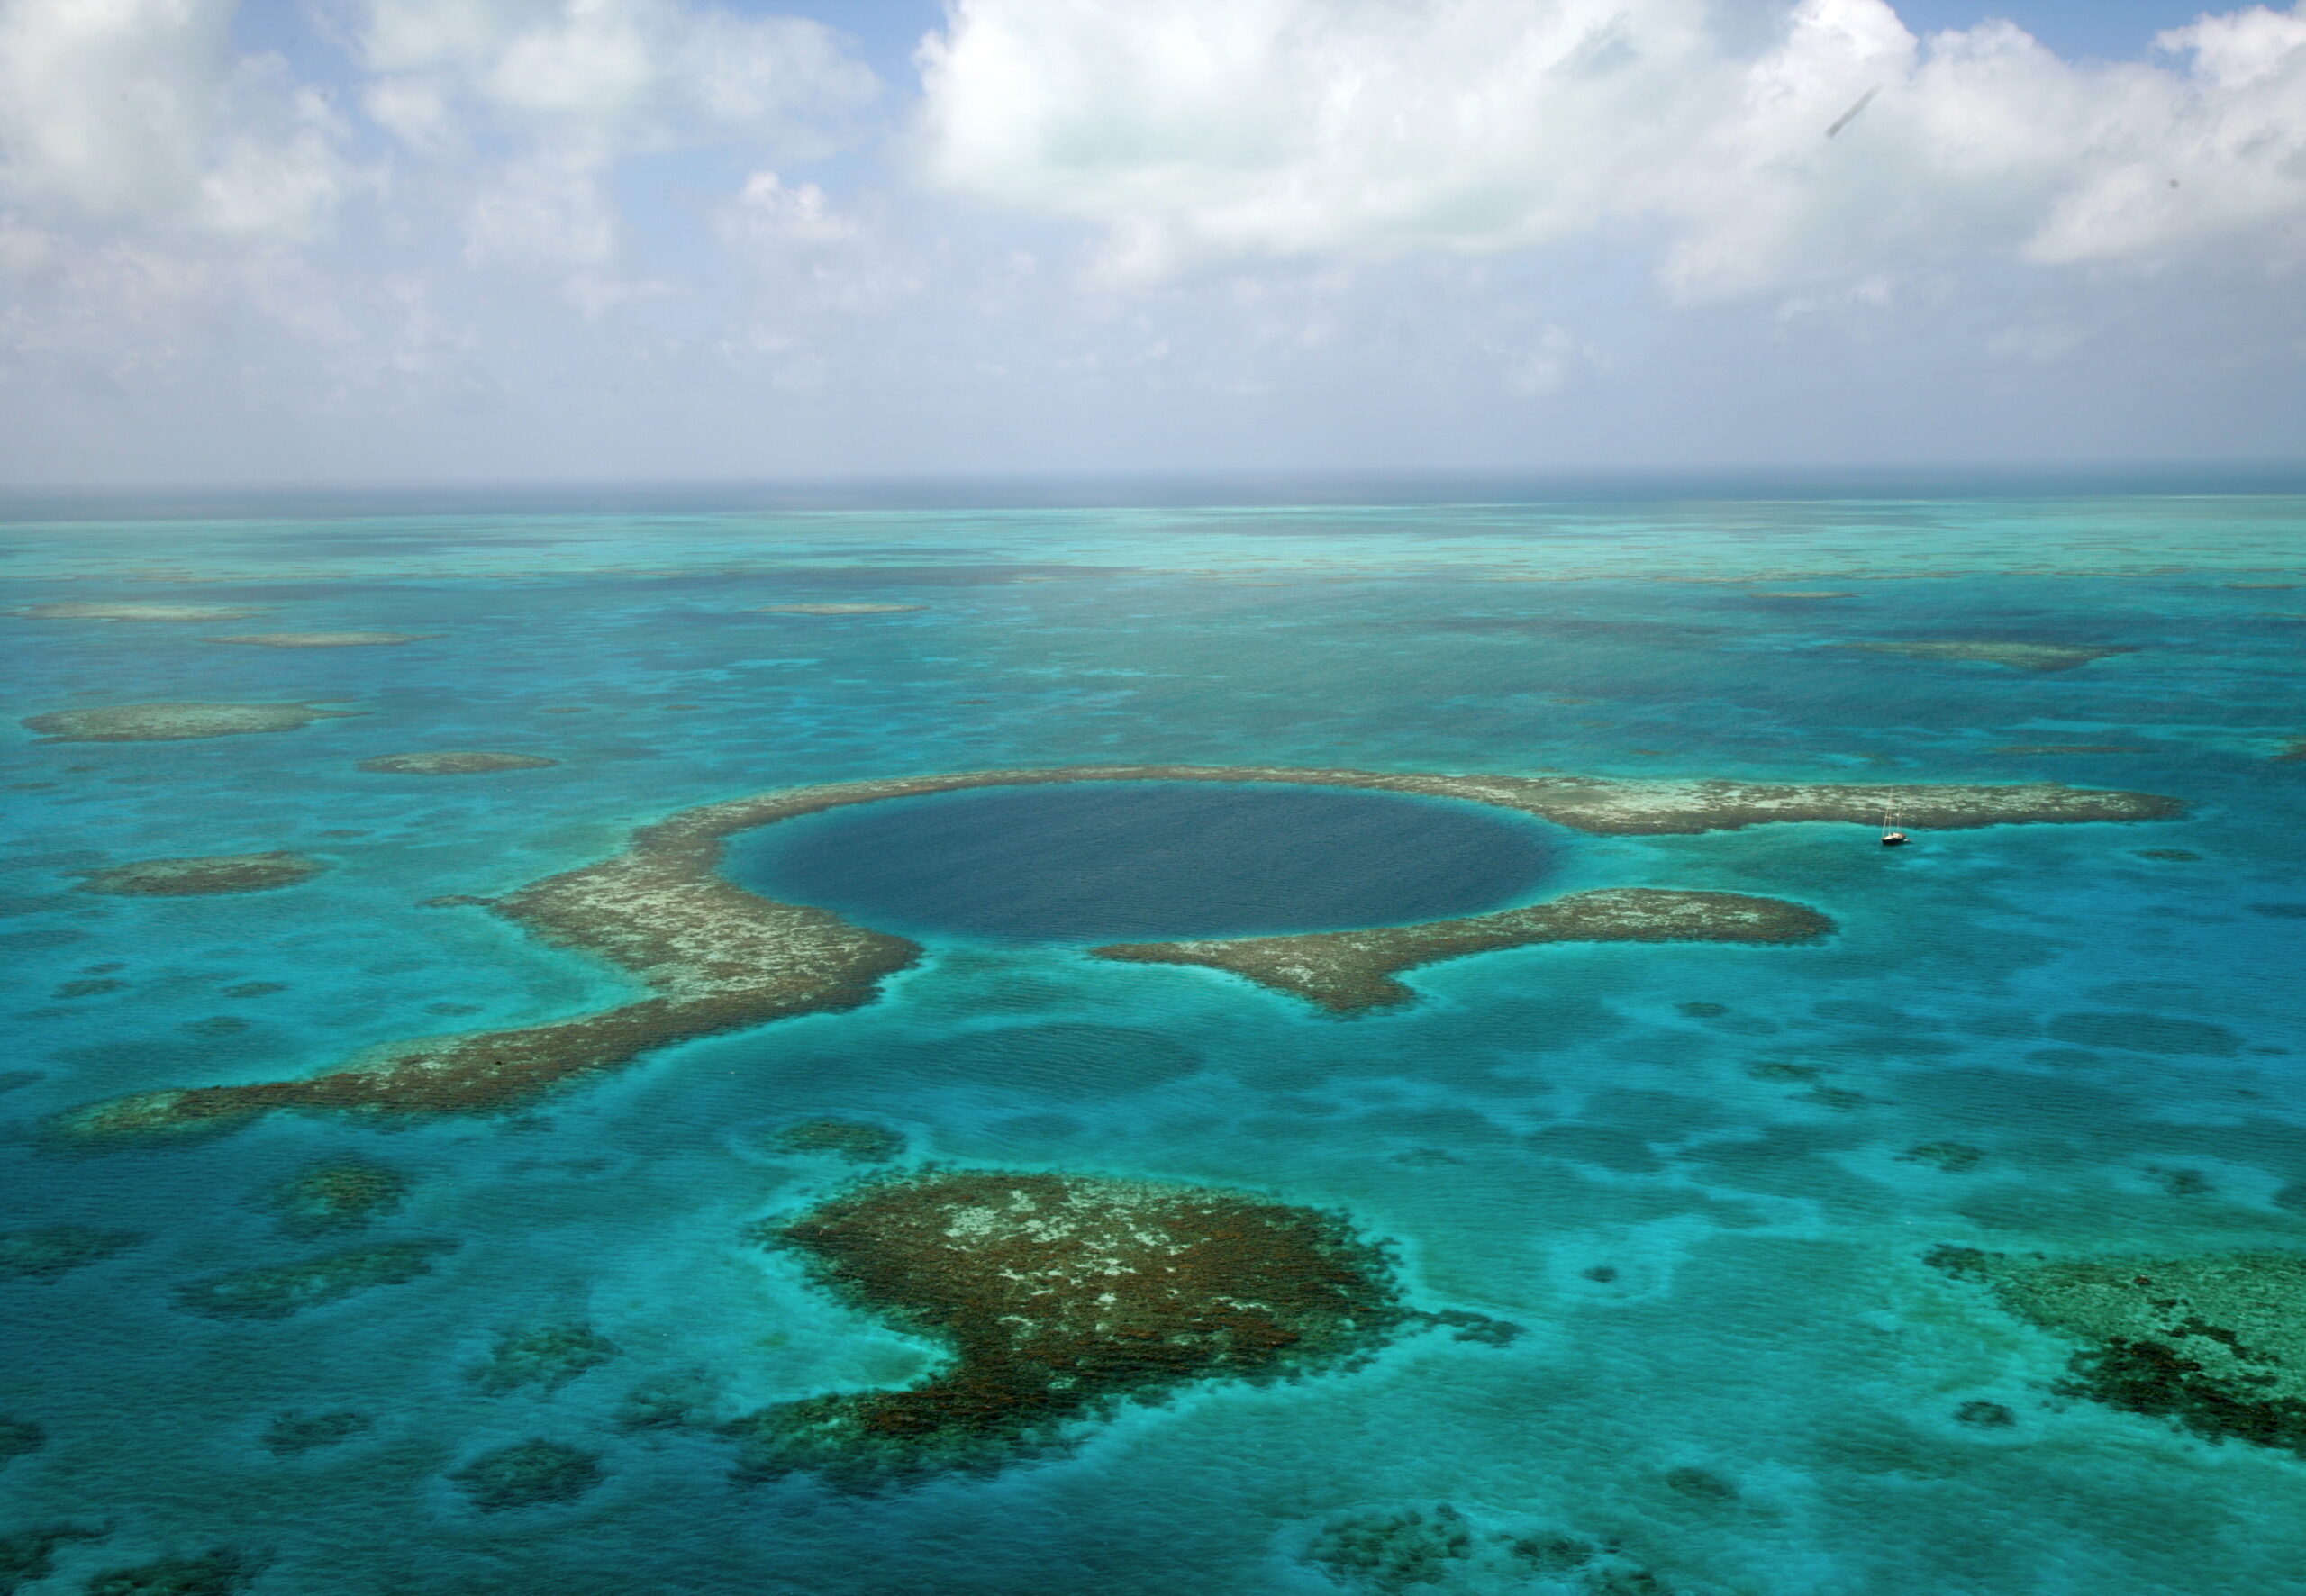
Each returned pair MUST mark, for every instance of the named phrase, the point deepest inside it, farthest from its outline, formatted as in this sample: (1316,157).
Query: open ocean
(1705,1181)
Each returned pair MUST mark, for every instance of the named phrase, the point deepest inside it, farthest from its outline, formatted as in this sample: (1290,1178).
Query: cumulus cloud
(1223,130)
(605,74)
(138,113)
(525,106)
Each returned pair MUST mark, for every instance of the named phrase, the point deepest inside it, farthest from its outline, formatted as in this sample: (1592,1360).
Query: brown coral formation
(1347,971)
(203,875)
(175,723)
(1057,1299)
(2215,1343)
(454,762)
(715,957)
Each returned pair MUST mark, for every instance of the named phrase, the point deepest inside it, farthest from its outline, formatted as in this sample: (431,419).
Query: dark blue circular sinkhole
(1113,861)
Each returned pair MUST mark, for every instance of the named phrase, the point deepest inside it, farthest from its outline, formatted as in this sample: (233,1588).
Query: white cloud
(1225,129)
(137,113)
(605,76)
(523,107)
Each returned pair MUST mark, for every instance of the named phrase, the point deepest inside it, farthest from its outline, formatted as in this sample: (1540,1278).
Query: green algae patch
(528,1474)
(98,612)
(454,762)
(549,1356)
(175,723)
(334,1194)
(280,1290)
(848,1140)
(51,1252)
(292,1435)
(213,1573)
(2215,1343)
(203,875)
(2035,656)
(325,640)
(1057,1298)
(718,958)
(1346,972)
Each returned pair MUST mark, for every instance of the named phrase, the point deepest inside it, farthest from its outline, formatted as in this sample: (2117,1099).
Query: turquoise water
(1105,861)
(1734,1367)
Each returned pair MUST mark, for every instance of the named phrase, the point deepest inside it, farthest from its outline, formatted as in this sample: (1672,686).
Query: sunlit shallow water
(1689,1173)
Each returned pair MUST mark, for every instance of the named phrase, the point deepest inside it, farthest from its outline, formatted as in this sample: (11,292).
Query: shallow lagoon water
(1688,1172)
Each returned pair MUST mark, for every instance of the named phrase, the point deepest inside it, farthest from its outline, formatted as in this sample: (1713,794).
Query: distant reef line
(714,957)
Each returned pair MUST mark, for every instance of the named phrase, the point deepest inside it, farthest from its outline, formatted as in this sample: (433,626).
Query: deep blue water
(1107,861)
(1716,1257)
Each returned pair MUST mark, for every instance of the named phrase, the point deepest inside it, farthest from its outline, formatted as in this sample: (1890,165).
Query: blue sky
(534,240)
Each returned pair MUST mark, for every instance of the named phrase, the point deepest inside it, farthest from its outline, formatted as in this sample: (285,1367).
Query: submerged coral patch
(454,762)
(50,1252)
(220,1572)
(837,609)
(280,1290)
(1349,971)
(292,1435)
(1056,1298)
(341,1193)
(102,611)
(324,639)
(528,1474)
(175,723)
(2014,656)
(2215,1343)
(549,1356)
(29,1555)
(202,875)
(848,1140)
(19,1437)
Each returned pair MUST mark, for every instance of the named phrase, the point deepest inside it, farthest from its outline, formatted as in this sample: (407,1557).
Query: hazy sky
(520,239)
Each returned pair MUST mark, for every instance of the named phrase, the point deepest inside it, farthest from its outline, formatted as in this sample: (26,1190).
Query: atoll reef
(528,1474)
(292,1435)
(2214,1343)
(549,1356)
(837,609)
(1056,1298)
(2014,656)
(454,762)
(98,612)
(1347,971)
(211,1574)
(175,723)
(202,877)
(716,958)
(280,1290)
(342,1194)
(51,1252)
(847,1140)
(324,639)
